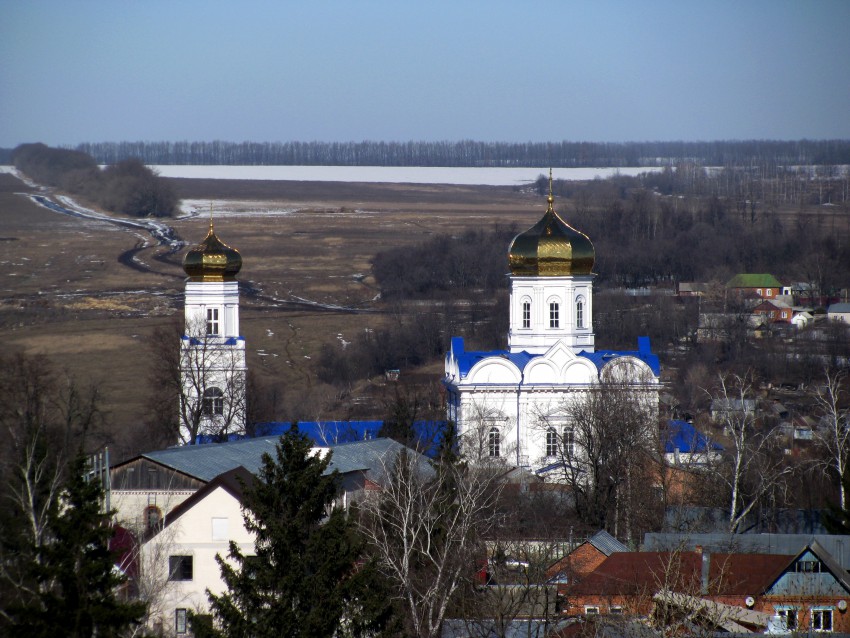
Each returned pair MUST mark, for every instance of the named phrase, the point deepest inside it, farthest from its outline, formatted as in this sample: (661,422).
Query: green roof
(754,280)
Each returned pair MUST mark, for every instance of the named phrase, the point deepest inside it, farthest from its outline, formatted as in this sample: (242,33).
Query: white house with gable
(512,404)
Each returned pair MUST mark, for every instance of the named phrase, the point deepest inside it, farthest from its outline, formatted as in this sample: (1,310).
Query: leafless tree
(425,529)
(198,384)
(833,431)
(754,463)
(608,436)
(44,416)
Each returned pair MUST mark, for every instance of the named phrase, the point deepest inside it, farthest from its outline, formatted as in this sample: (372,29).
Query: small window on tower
(554,315)
(213,402)
(526,314)
(212,321)
(579,313)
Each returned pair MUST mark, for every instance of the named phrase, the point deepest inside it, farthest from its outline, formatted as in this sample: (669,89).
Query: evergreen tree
(74,570)
(307,578)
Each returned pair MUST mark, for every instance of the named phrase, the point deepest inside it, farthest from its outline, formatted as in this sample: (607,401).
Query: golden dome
(212,260)
(551,248)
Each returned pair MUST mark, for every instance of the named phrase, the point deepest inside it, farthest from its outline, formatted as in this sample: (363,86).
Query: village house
(807,590)
(751,285)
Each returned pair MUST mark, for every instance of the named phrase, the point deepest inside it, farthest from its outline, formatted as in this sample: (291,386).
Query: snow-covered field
(395,174)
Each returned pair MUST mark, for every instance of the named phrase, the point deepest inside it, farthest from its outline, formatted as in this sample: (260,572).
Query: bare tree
(833,432)
(198,383)
(754,465)
(425,529)
(603,441)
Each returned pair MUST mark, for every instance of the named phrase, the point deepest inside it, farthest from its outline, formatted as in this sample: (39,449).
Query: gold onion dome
(551,248)
(212,260)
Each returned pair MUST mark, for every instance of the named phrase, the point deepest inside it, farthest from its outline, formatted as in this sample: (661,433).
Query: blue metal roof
(684,437)
(429,434)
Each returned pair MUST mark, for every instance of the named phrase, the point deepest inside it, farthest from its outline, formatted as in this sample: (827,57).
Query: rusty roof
(636,573)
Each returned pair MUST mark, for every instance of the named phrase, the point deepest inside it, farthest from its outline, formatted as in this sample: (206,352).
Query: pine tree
(307,577)
(77,585)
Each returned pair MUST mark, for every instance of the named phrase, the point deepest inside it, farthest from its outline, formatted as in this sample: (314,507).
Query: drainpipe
(518,394)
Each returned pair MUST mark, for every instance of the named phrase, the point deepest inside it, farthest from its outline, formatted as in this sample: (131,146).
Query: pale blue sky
(85,70)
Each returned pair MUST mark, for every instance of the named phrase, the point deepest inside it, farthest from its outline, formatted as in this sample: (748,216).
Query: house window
(768,292)
(219,529)
(616,610)
(180,625)
(526,314)
(758,292)
(551,442)
(784,314)
(213,402)
(212,321)
(590,611)
(179,568)
(494,440)
(152,516)
(808,566)
(554,315)
(580,313)
(790,616)
(822,619)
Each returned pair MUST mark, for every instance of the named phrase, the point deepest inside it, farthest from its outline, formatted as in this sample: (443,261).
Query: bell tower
(212,351)
(551,286)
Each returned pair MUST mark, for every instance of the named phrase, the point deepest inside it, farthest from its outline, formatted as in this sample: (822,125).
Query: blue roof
(323,433)
(466,360)
(684,437)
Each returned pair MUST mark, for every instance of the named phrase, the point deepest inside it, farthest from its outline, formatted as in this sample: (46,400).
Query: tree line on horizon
(471,153)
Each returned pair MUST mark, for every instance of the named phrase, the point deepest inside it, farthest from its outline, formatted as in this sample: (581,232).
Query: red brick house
(774,312)
(755,285)
(584,559)
(807,591)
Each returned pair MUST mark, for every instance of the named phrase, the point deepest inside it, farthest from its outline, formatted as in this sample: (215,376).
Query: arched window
(526,314)
(554,315)
(551,442)
(213,402)
(153,516)
(580,313)
(494,440)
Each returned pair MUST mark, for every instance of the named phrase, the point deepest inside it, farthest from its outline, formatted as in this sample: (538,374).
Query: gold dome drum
(551,248)
(212,260)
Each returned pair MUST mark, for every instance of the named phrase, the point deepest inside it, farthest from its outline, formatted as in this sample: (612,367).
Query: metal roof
(207,461)
(605,543)
(787,544)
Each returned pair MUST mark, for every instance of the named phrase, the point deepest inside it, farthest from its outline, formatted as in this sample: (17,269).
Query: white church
(513,404)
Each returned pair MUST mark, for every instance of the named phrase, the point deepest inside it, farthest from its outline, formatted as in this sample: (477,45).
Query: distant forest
(471,153)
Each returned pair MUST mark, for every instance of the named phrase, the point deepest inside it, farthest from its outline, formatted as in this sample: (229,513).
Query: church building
(212,352)
(513,404)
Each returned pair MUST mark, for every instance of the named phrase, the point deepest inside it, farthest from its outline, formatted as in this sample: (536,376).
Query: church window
(580,313)
(569,441)
(494,440)
(212,321)
(554,315)
(551,442)
(213,402)
(526,314)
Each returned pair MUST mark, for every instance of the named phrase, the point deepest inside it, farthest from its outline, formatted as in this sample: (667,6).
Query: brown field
(66,295)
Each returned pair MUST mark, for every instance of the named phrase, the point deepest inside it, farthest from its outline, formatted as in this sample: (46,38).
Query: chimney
(706,568)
